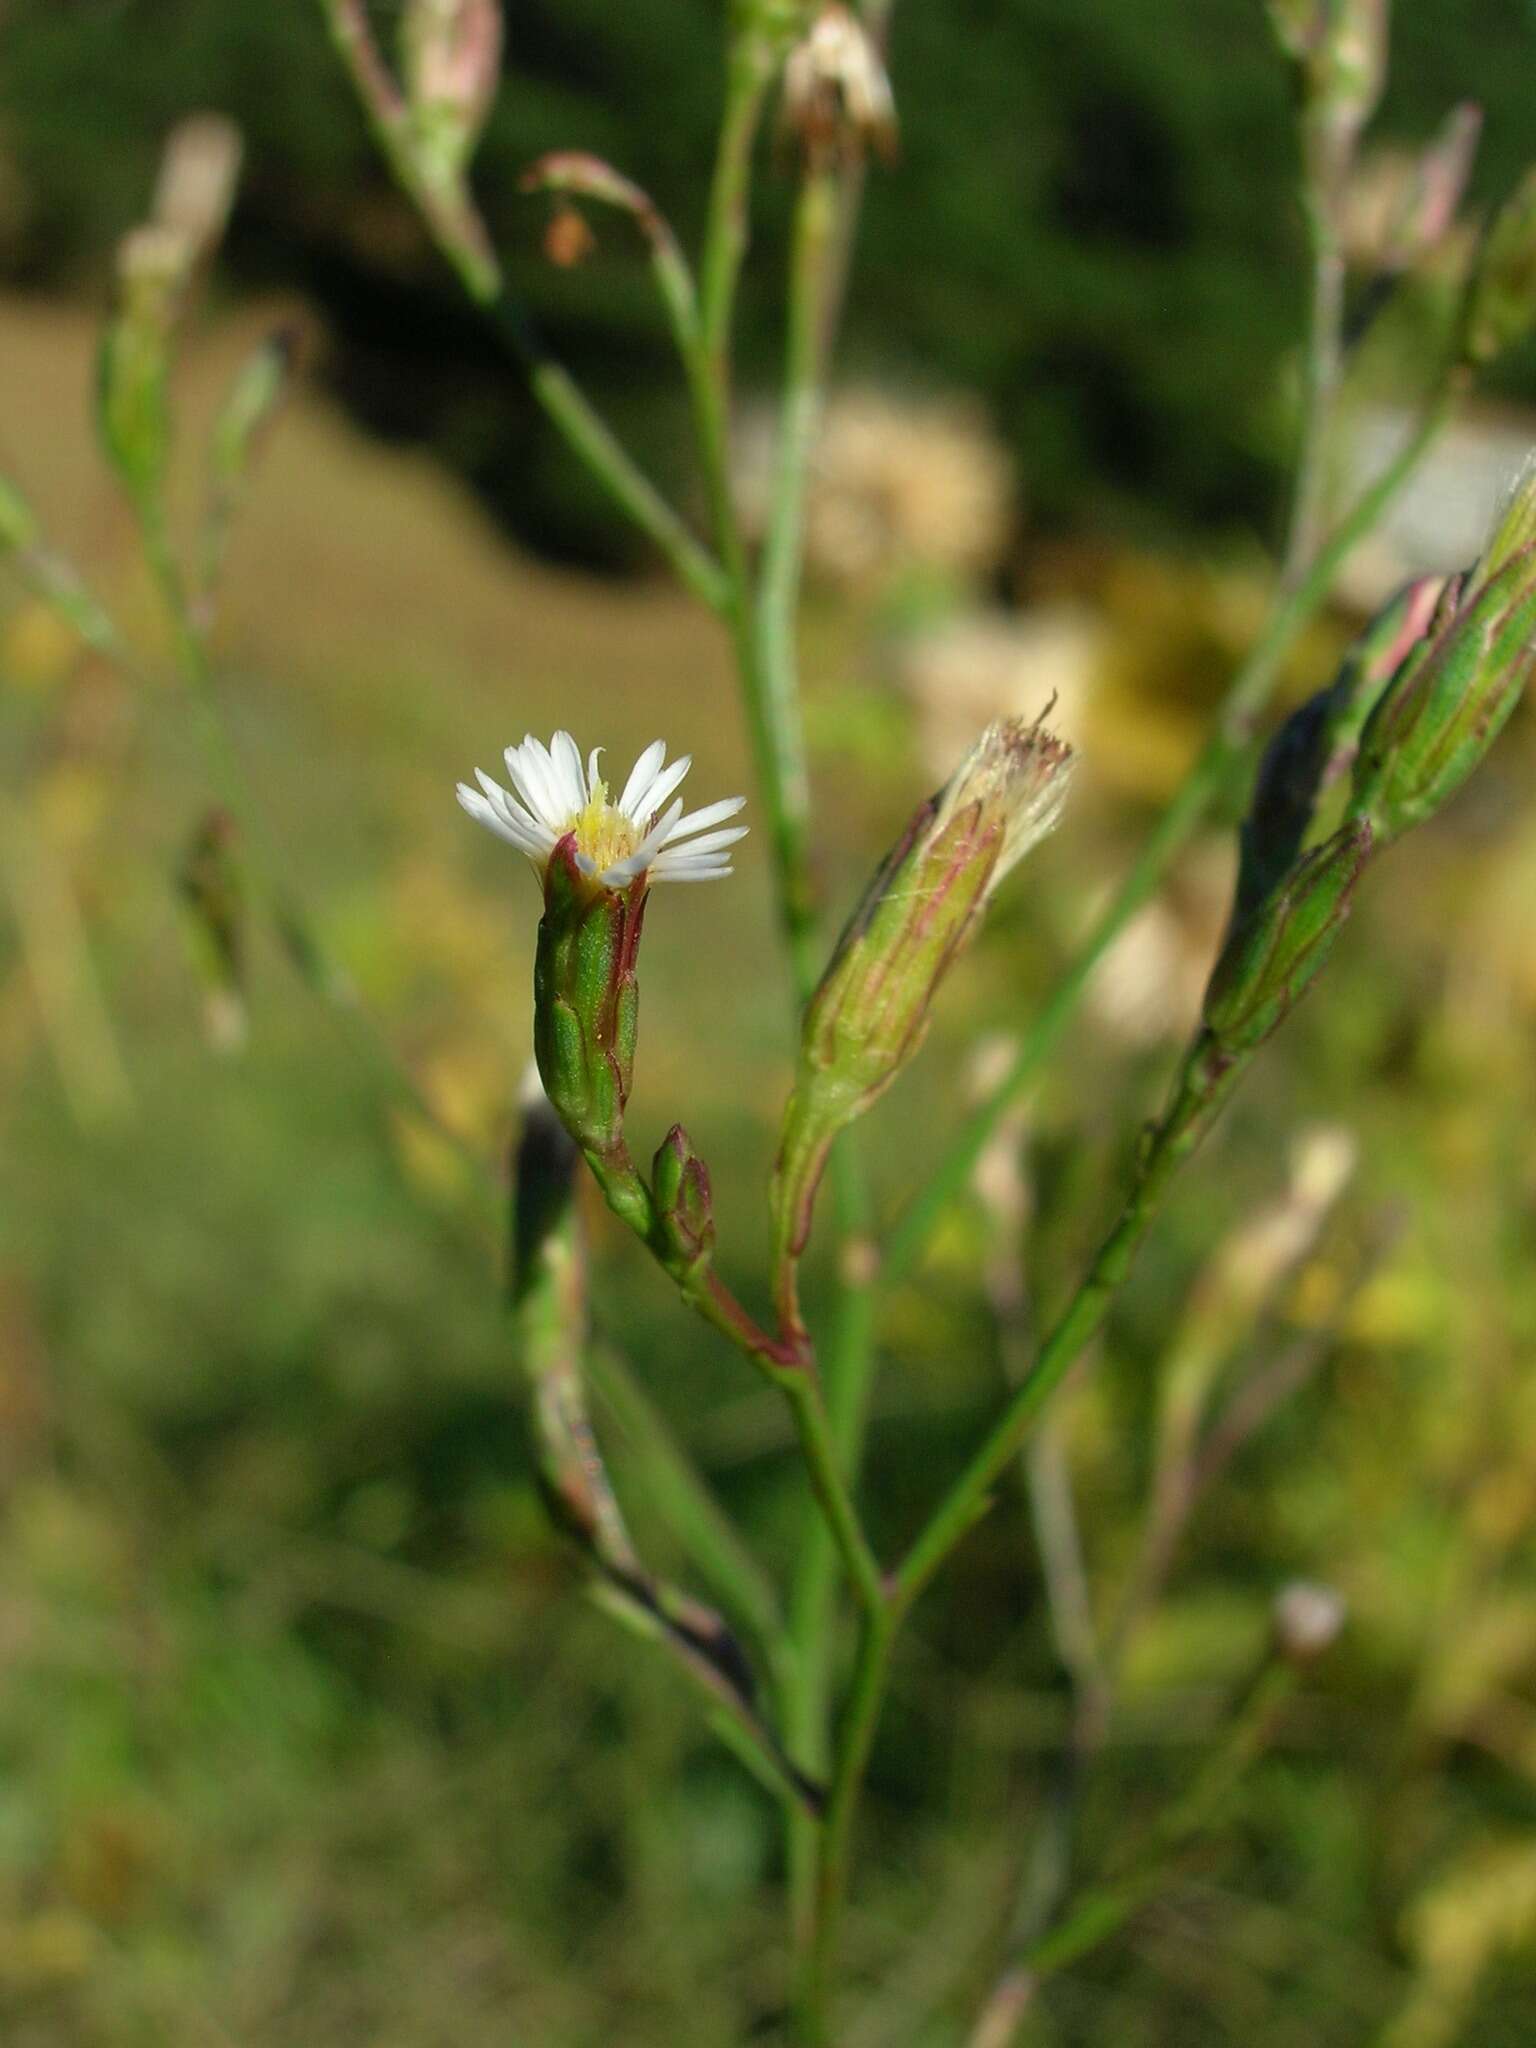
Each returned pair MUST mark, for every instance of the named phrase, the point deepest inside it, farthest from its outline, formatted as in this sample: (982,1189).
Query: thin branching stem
(1223,755)
(1322,375)
(311,957)
(456,228)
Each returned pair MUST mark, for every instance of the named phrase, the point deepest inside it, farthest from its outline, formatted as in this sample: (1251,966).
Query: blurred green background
(308,1735)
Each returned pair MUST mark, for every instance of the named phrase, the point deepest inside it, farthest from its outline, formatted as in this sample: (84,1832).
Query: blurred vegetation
(1093,228)
(307,1733)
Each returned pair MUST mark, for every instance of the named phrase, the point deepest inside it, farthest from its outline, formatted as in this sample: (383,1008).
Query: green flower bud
(684,1208)
(133,380)
(1318,743)
(1351,63)
(260,385)
(586,998)
(871,1010)
(1449,701)
(18,522)
(1298,25)
(1428,208)
(1341,46)
(1500,307)
(1274,953)
(451,57)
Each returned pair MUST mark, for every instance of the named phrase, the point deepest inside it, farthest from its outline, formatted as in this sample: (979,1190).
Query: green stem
(855,1740)
(1203,1091)
(831,1490)
(1323,373)
(1250,692)
(822,229)
(812,262)
(456,228)
(749,69)
(593,441)
(786,1361)
(1204,1086)
(233,789)
(850,1371)
(1102,1911)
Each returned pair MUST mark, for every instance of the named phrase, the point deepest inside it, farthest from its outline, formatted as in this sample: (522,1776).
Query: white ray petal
(510,807)
(487,815)
(570,781)
(592,760)
(699,874)
(641,776)
(529,768)
(671,864)
(711,842)
(662,788)
(711,814)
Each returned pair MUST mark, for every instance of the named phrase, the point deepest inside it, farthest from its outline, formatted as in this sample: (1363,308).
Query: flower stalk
(1212,773)
(865,1016)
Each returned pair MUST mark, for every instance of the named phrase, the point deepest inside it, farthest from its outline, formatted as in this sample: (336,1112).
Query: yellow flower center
(603,833)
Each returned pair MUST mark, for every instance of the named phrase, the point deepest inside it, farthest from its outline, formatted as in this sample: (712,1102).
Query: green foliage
(1090,223)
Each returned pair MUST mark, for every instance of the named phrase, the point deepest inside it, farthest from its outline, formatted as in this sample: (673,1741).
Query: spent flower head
(837,97)
(198,175)
(613,841)
(1307,1620)
(871,1009)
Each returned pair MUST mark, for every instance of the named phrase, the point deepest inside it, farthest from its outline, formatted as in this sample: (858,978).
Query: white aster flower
(643,833)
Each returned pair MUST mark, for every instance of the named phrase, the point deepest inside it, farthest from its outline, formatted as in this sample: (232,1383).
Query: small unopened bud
(684,1207)
(1307,1620)
(1298,25)
(871,1010)
(198,175)
(1501,300)
(1275,952)
(18,522)
(260,386)
(586,998)
(1339,48)
(1428,207)
(451,51)
(1318,743)
(1451,698)
(133,390)
(837,97)
(1353,58)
